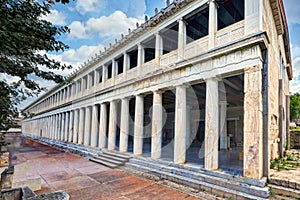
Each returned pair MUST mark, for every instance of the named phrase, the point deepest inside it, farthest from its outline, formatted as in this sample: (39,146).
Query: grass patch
(290,162)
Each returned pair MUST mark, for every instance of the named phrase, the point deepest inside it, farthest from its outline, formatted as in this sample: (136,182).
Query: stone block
(292,184)
(7,178)
(59,195)
(4,159)
(11,194)
(298,186)
(34,183)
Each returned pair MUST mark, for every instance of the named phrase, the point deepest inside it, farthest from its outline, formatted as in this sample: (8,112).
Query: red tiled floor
(157,191)
(82,179)
(94,193)
(60,175)
(74,184)
(127,184)
(108,175)
(91,169)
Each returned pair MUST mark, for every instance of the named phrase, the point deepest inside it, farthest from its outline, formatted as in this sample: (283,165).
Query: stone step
(114,157)
(110,160)
(117,155)
(223,192)
(107,164)
(283,191)
(159,164)
(262,192)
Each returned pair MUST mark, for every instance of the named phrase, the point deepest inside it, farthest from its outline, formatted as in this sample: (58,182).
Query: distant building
(198,78)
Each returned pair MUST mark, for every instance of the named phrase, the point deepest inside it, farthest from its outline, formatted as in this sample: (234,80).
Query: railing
(119,78)
(196,47)
(168,58)
(149,67)
(230,33)
(226,35)
(131,73)
(108,83)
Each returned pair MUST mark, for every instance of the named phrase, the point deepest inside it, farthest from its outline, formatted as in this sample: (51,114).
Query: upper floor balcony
(200,27)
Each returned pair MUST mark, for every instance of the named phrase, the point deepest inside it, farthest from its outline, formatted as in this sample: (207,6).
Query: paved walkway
(81,178)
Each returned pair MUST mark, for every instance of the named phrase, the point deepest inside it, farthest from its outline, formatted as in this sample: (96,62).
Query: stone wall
(274,70)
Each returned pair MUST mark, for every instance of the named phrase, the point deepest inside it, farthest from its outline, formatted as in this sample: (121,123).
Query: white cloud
(84,6)
(77,56)
(56,18)
(77,30)
(116,23)
(105,26)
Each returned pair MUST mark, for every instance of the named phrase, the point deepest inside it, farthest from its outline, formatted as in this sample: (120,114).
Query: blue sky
(96,23)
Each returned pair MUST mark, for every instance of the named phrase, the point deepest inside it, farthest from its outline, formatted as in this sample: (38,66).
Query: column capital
(181,19)
(125,98)
(139,95)
(215,78)
(185,85)
(140,45)
(158,91)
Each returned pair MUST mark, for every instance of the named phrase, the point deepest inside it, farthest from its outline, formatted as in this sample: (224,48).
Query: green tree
(295,106)
(25,40)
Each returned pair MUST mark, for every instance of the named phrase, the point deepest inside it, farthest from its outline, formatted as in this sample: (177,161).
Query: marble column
(59,126)
(81,125)
(95,126)
(96,77)
(158,45)
(138,125)
(104,74)
(223,125)
(114,70)
(181,39)
(253,123)
(125,64)
(124,129)
(87,126)
(141,56)
(62,129)
(180,125)
(189,137)
(76,126)
(157,125)
(103,126)
(254,10)
(66,132)
(71,126)
(54,127)
(212,26)
(112,131)
(211,124)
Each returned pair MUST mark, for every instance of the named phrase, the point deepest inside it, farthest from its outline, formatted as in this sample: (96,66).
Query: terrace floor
(80,178)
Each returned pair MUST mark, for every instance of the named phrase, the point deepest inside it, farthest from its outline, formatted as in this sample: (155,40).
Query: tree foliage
(25,40)
(295,106)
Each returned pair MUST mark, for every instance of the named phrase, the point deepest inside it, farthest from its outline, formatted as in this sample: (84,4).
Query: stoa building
(202,86)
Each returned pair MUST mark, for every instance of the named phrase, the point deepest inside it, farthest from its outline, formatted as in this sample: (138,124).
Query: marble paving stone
(93,193)
(91,169)
(158,192)
(108,175)
(127,185)
(60,175)
(82,179)
(76,183)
